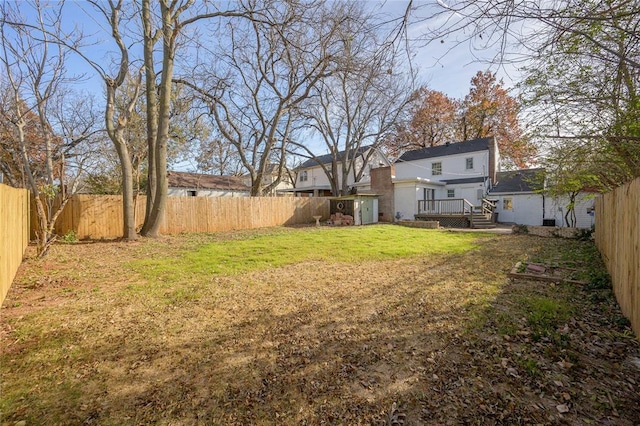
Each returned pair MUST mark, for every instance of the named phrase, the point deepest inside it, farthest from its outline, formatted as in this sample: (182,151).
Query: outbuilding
(362,207)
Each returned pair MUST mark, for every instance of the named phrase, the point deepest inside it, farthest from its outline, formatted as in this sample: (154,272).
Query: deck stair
(481,221)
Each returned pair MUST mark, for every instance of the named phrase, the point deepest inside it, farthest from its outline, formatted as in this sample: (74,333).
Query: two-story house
(461,179)
(461,171)
(312,179)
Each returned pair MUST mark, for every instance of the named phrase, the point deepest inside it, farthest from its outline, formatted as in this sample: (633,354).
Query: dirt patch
(444,339)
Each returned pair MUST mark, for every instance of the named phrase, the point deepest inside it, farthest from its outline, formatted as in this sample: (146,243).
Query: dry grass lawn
(87,337)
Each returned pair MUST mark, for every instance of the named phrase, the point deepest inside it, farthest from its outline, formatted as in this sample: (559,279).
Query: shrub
(584,234)
(70,237)
(520,229)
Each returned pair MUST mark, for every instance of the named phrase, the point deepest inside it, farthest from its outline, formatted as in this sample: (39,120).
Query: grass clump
(544,315)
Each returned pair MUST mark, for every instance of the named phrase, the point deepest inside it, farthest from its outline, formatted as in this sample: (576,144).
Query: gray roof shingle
(463,147)
(325,159)
(526,180)
(477,179)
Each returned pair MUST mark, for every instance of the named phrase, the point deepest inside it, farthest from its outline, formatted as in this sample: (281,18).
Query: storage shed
(363,207)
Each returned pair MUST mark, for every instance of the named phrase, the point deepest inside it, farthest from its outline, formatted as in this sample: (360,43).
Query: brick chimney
(381,184)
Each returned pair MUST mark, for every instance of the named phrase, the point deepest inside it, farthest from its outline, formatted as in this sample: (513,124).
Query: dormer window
(304,176)
(469,162)
(436,168)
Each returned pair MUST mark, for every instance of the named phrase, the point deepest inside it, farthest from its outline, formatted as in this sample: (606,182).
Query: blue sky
(445,65)
(442,65)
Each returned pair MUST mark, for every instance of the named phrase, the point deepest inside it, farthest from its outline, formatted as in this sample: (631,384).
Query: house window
(451,193)
(507,204)
(469,163)
(192,193)
(436,168)
(304,176)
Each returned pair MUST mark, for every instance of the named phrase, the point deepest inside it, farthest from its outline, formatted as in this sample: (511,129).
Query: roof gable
(526,180)
(474,145)
(204,181)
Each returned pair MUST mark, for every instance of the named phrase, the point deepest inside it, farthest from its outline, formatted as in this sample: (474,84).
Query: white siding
(556,208)
(468,191)
(405,200)
(317,177)
(527,209)
(453,167)
(407,194)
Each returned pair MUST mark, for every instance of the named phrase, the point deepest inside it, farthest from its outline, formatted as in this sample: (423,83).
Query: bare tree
(36,85)
(165,24)
(254,90)
(117,117)
(359,103)
(216,155)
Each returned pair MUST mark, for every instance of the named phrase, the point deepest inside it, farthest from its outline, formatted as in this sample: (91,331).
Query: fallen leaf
(562,408)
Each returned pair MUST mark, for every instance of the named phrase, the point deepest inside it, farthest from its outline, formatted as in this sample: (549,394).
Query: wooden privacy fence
(100,216)
(14,233)
(618,239)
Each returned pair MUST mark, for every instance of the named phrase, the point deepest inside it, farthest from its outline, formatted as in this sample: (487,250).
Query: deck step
(484,226)
(480,221)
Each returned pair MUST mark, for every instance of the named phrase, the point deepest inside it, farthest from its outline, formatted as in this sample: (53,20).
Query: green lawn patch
(280,248)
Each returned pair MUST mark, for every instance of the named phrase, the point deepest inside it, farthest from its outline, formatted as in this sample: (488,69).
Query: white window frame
(507,203)
(469,163)
(436,168)
(304,176)
(451,193)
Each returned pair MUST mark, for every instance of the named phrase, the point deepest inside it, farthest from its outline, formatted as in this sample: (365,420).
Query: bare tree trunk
(128,204)
(116,133)
(150,40)
(155,216)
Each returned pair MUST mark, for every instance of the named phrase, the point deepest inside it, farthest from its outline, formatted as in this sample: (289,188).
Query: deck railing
(449,206)
(487,207)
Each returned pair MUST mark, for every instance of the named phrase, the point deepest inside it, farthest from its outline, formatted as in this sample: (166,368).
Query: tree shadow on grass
(444,339)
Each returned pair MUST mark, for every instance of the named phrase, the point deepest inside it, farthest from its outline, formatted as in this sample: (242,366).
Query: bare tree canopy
(254,91)
(44,140)
(359,103)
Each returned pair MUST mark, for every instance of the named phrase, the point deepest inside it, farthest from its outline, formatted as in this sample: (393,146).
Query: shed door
(366,209)
(506,212)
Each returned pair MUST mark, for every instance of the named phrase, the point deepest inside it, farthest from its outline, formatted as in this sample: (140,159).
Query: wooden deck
(456,213)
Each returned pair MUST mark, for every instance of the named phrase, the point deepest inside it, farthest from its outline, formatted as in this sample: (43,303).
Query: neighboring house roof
(478,179)
(327,158)
(202,181)
(473,145)
(526,180)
